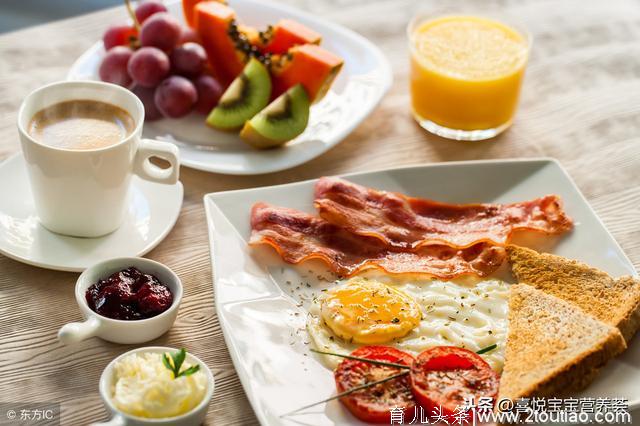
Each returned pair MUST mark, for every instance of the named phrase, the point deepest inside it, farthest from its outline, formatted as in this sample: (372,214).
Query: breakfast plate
(363,80)
(153,210)
(262,302)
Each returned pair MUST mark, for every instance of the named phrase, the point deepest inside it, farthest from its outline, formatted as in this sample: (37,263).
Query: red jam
(129,295)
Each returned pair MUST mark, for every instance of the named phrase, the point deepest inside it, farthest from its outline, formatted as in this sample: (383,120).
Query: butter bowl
(133,331)
(195,416)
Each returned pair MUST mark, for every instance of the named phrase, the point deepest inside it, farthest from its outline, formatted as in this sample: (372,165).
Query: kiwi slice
(244,98)
(282,120)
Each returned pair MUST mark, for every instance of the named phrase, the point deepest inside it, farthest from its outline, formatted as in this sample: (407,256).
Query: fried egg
(411,316)
(369,312)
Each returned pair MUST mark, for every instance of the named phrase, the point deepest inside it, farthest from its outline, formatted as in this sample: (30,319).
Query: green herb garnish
(349,392)
(177,359)
(357,358)
(487,349)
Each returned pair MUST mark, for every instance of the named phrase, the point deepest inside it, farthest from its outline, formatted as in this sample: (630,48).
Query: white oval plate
(364,79)
(261,301)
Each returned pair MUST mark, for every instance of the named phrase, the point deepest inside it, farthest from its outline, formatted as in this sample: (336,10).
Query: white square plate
(263,320)
(363,80)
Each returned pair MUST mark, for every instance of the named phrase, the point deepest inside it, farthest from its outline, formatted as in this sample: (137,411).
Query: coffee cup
(83,190)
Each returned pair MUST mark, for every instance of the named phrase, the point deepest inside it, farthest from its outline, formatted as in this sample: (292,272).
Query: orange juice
(466,74)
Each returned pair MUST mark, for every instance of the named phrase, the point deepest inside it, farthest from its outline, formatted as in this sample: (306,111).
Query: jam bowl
(126,300)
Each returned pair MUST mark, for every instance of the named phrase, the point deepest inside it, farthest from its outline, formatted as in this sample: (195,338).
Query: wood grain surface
(580,104)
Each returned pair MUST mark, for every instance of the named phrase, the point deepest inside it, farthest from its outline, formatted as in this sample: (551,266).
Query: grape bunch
(161,62)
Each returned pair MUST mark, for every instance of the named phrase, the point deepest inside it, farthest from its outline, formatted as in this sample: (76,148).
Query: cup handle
(151,148)
(75,332)
(116,420)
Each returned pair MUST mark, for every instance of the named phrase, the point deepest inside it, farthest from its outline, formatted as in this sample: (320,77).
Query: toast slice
(613,301)
(552,347)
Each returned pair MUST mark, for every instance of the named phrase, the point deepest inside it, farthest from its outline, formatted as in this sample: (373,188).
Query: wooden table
(581,104)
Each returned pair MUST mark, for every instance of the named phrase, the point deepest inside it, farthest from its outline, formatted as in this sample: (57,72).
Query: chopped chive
(487,349)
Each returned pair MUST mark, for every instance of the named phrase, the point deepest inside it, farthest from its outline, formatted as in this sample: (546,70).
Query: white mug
(194,417)
(121,331)
(85,193)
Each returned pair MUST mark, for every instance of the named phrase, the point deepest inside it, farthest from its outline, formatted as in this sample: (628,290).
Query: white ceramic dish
(261,313)
(192,418)
(364,79)
(119,331)
(153,210)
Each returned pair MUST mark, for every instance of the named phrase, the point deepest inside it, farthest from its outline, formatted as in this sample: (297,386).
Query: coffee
(81,125)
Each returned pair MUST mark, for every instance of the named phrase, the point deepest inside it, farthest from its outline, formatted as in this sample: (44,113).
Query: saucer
(153,210)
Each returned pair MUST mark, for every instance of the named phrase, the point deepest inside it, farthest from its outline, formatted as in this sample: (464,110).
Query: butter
(144,387)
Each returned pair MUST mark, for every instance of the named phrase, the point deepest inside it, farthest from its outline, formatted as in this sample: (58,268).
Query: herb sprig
(370,384)
(349,392)
(175,363)
(367,360)
(390,364)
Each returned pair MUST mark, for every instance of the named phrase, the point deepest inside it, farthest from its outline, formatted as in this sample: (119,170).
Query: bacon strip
(408,223)
(298,236)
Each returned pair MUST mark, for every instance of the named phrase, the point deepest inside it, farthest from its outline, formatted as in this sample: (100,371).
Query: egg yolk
(369,312)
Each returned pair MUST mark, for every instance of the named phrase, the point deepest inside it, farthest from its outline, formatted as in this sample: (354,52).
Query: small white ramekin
(192,418)
(121,331)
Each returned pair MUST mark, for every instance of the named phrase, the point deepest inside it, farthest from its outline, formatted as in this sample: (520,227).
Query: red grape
(161,30)
(119,35)
(188,59)
(113,68)
(189,34)
(151,112)
(209,92)
(148,8)
(148,66)
(175,96)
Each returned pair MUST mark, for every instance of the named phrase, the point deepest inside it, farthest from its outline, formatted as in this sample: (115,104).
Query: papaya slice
(187,9)
(286,34)
(189,13)
(310,65)
(226,43)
